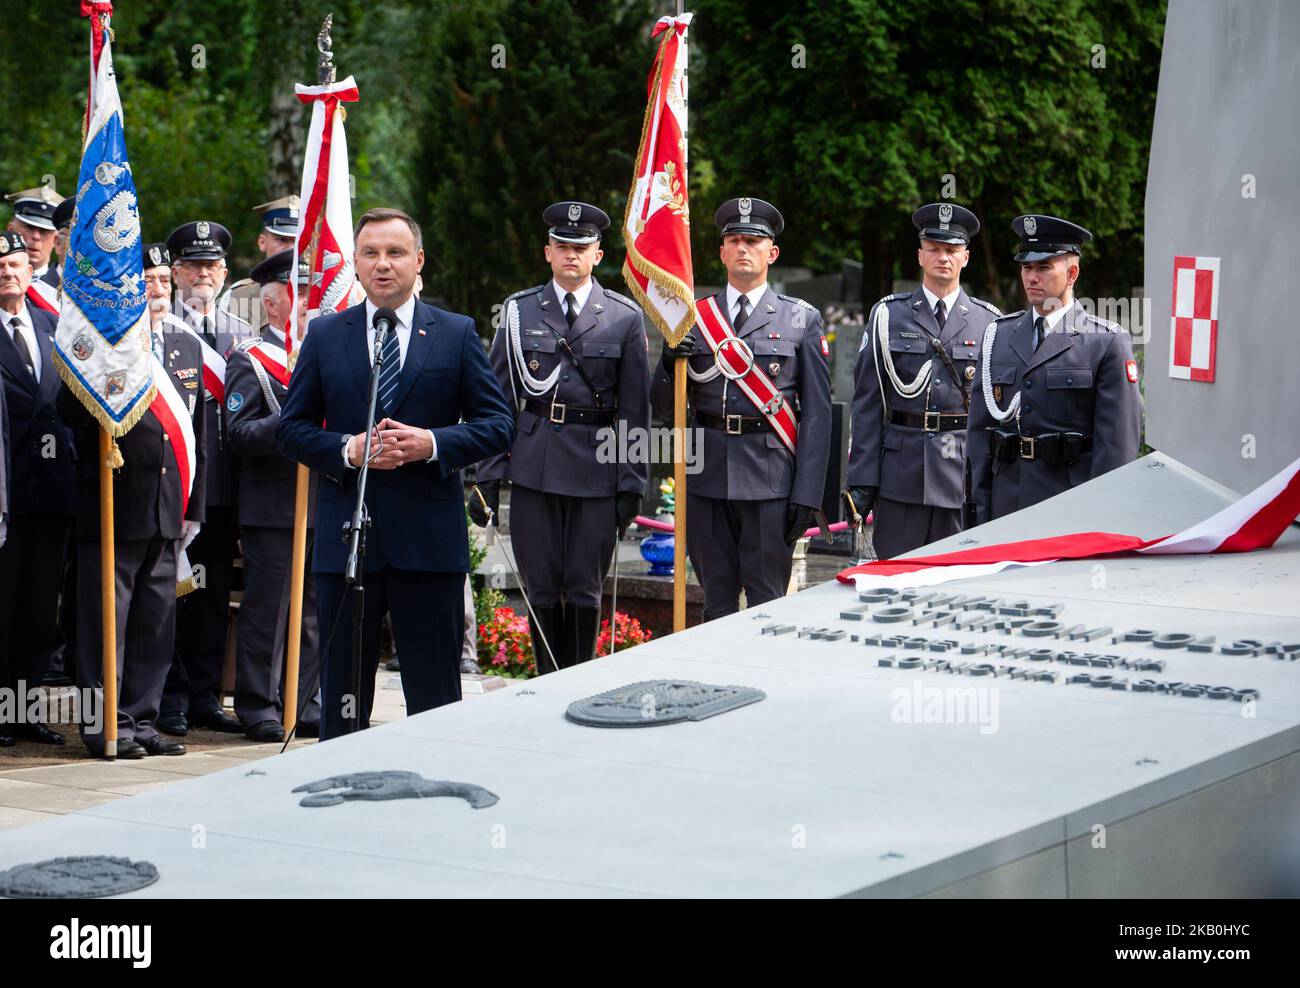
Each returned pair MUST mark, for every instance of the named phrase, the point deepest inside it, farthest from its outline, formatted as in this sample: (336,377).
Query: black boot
(551,621)
(580,625)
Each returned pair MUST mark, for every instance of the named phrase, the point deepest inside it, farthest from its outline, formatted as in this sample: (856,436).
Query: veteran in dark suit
(1056,392)
(193,695)
(155,510)
(752,498)
(42,486)
(441,410)
(256,389)
(912,387)
(572,356)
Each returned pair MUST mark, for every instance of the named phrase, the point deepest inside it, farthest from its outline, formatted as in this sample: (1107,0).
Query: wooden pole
(108,602)
(298,567)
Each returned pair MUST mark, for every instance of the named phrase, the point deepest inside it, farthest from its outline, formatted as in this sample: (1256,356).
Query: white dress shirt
(580,295)
(28,332)
(948,300)
(733,299)
(405,314)
(1054,317)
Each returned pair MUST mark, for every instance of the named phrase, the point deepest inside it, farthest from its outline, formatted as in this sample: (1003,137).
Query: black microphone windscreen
(384,315)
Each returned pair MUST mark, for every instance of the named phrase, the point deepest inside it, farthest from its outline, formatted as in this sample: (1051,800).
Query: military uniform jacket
(907,463)
(147,487)
(267,479)
(609,339)
(1081,379)
(42,451)
(223,477)
(786,336)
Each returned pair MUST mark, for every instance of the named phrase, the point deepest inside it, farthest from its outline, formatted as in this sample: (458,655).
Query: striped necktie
(390,373)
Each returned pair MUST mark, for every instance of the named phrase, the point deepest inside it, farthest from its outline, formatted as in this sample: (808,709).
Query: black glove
(683,350)
(797,520)
(626,508)
(491,491)
(862,500)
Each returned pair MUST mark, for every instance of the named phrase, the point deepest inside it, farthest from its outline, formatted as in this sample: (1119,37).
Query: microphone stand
(354,531)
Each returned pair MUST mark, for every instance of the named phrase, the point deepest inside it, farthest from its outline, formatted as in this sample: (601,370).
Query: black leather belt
(1054,448)
(733,425)
(562,414)
(929,421)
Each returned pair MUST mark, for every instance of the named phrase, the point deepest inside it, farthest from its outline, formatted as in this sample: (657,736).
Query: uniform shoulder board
(625,300)
(1106,324)
(1003,317)
(243,346)
(986,305)
(798,301)
(896,296)
(527,291)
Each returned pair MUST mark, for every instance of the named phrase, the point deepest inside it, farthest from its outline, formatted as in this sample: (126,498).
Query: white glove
(189,532)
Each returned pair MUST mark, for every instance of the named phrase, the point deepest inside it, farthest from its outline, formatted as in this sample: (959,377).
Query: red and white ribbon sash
(169,408)
(44,296)
(273,358)
(214,364)
(1255,521)
(756,385)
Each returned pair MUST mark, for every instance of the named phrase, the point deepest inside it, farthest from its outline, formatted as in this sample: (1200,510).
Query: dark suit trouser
(428,614)
(31,573)
(735,544)
(900,527)
(145,602)
(64,657)
(563,545)
(264,629)
(203,619)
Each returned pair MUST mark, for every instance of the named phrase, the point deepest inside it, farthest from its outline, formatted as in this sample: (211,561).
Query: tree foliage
(475,116)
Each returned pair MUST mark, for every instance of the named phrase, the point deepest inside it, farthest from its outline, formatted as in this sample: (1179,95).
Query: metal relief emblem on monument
(659,701)
(390,785)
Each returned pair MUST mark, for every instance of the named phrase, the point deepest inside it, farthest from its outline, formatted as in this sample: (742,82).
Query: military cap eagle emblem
(202,229)
(945,215)
(155,255)
(575,212)
(1031,226)
(746,206)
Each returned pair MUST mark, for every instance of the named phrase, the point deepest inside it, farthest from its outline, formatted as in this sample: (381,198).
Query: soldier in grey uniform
(267,484)
(193,695)
(912,390)
(572,356)
(279,230)
(1056,390)
(752,498)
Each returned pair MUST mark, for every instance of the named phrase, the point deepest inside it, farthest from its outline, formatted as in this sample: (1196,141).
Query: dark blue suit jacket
(42,452)
(417,510)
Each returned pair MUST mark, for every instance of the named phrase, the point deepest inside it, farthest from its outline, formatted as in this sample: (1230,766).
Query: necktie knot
(743,312)
(570,308)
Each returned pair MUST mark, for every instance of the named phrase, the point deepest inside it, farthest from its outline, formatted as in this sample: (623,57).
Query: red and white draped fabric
(736,358)
(1255,521)
(214,364)
(656,225)
(169,408)
(326,212)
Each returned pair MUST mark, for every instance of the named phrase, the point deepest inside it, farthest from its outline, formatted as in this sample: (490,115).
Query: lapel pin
(597,307)
(770,307)
(963,308)
(545,302)
(423,333)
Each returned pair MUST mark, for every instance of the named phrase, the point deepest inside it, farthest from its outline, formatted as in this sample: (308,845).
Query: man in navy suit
(42,486)
(440,409)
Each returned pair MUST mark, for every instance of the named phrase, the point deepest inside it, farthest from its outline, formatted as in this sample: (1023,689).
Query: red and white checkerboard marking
(1194,324)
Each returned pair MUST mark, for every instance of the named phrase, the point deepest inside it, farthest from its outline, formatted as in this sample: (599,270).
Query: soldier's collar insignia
(770,307)
(597,307)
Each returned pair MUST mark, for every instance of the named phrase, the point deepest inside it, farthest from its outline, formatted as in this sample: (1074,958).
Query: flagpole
(679,433)
(107,588)
(326,73)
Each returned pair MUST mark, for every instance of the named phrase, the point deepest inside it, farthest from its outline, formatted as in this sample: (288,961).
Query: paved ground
(39,782)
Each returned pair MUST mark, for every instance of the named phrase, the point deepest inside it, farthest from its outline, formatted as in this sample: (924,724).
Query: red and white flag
(1194,323)
(656,225)
(1255,521)
(43,295)
(326,215)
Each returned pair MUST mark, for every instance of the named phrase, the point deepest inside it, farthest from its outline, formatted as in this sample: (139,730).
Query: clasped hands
(392,445)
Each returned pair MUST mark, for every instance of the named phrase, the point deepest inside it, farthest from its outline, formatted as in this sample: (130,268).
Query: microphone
(385,322)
